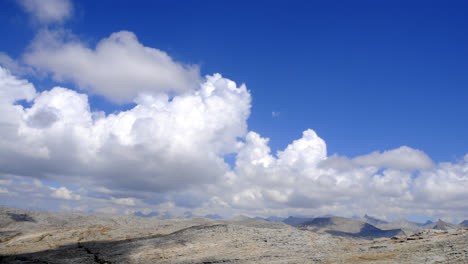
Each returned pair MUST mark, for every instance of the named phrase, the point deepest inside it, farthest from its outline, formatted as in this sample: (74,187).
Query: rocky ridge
(40,237)
(341,226)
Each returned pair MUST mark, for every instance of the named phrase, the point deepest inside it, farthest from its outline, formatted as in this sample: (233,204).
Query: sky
(214,107)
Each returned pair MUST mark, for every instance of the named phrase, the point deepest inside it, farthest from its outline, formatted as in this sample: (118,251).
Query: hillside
(41,237)
(341,226)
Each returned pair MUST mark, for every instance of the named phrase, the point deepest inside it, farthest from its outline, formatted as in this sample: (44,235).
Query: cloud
(48,11)
(103,190)
(119,68)
(81,208)
(447,183)
(303,179)
(167,152)
(64,193)
(14,66)
(404,158)
(106,210)
(293,179)
(124,201)
(158,146)
(5,182)
(13,89)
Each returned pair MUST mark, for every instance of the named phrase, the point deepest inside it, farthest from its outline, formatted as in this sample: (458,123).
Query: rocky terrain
(40,237)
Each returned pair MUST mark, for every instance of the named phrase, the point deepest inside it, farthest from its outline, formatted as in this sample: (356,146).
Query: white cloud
(124,201)
(404,158)
(5,182)
(13,89)
(154,146)
(3,190)
(14,66)
(304,152)
(103,190)
(167,152)
(64,193)
(445,186)
(48,11)
(119,68)
(171,152)
(106,210)
(303,179)
(391,183)
(80,208)
(293,179)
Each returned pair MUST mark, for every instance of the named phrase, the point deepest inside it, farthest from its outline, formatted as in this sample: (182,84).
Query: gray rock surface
(41,237)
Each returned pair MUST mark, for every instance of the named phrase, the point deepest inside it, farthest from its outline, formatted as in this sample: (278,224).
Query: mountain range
(367,226)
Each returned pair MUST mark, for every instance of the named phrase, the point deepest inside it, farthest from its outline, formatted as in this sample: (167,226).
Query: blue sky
(365,76)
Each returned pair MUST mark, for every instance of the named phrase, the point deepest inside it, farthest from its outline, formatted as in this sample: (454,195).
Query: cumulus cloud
(293,178)
(119,67)
(158,146)
(447,183)
(64,193)
(124,201)
(48,11)
(13,89)
(167,152)
(303,179)
(404,158)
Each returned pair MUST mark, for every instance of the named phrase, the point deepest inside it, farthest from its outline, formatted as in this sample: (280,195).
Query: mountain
(374,221)
(464,223)
(333,223)
(369,231)
(213,216)
(271,218)
(441,225)
(428,222)
(141,214)
(296,221)
(355,217)
(342,226)
(412,227)
(275,219)
(407,226)
(240,218)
